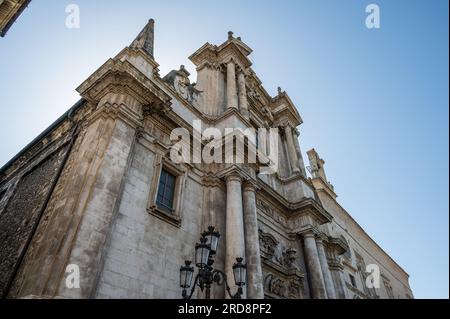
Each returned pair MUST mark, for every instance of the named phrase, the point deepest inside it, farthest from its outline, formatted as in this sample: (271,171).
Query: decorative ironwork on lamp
(207,275)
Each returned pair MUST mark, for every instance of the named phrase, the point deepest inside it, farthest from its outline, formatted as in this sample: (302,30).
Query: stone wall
(145,252)
(22,212)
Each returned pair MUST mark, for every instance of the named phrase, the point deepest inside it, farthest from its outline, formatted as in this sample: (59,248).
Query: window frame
(172,216)
(168,177)
(352,280)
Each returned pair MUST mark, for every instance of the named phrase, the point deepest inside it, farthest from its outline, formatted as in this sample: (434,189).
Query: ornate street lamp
(239,272)
(213,239)
(202,252)
(207,275)
(186,274)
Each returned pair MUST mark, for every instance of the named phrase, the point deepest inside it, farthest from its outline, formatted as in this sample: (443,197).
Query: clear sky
(375,103)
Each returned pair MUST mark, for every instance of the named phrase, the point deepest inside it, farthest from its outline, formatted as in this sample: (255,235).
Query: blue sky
(375,102)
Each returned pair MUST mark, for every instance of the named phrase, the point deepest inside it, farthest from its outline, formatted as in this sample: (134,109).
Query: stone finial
(184,71)
(280,91)
(317,166)
(230,35)
(145,39)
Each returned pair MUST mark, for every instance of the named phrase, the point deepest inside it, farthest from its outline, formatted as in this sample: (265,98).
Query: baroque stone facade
(85,192)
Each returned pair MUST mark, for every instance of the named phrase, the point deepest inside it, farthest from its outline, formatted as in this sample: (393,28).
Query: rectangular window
(166,191)
(352,280)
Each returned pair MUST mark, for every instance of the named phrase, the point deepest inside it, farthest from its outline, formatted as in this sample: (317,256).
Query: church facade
(99,191)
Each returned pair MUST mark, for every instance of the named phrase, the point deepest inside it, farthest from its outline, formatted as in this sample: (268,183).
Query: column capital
(321,237)
(242,70)
(285,125)
(308,234)
(335,264)
(230,60)
(250,186)
(319,240)
(233,177)
(308,231)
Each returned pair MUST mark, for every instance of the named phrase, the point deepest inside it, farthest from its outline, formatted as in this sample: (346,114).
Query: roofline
(55,124)
(369,237)
(14,18)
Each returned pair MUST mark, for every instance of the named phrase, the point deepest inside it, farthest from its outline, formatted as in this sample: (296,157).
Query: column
(291,149)
(301,163)
(329,287)
(235,245)
(336,269)
(263,144)
(243,104)
(313,264)
(231,86)
(255,288)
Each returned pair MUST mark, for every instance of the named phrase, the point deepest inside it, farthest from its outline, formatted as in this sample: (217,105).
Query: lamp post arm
(221,279)
(193,287)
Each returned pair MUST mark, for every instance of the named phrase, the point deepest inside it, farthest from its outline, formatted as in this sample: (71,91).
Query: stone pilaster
(337,273)
(263,143)
(232,100)
(243,103)
(317,286)
(255,289)
(301,163)
(291,149)
(329,287)
(235,243)
(88,200)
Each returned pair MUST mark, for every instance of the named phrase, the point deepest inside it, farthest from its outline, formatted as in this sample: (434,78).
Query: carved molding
(282,276)
(268,244)
(280,283)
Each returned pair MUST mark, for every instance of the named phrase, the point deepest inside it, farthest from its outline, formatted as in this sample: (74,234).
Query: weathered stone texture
(22,211)
(144,254)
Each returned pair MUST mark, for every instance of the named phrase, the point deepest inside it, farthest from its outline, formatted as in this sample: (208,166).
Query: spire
(145,39)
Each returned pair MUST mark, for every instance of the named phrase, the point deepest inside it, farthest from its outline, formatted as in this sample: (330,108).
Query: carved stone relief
(282,276)
(179,81)
(283,287)
(268,243)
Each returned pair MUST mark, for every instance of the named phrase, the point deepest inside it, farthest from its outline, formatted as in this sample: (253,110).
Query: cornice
(116,111)
(141,53)
(326,186)
(340,245)
(124,75)
(228,113)
(234,170)
(292,178)
(220,54)
(306,206)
